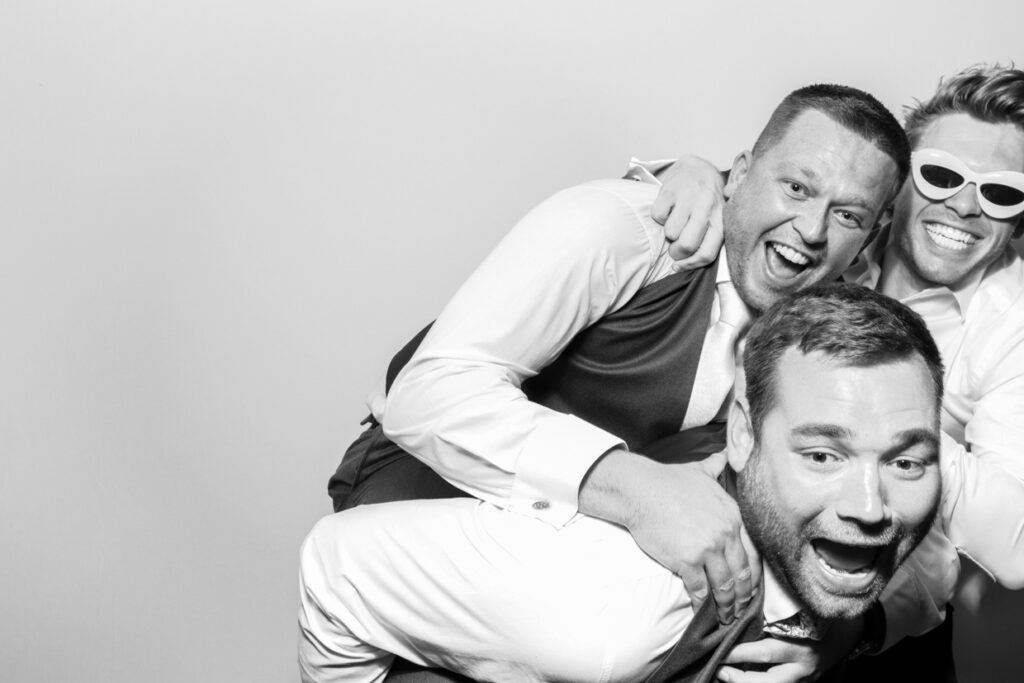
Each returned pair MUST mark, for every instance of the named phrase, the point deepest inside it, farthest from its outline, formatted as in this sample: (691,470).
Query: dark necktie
(706,642)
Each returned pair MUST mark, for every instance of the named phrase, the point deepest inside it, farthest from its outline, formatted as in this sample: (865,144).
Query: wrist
(609,489)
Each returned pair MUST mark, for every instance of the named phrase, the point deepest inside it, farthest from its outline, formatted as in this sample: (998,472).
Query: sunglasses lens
(1002,195)
(941,177)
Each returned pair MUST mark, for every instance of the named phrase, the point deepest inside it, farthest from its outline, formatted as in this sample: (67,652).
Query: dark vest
(630,373)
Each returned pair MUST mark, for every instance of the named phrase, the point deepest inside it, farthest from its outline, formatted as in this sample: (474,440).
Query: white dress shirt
(458,405)
(493,594)
(979,329)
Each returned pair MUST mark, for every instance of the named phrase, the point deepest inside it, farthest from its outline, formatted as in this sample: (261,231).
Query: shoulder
(1000,295)
(606,201)
(611,215)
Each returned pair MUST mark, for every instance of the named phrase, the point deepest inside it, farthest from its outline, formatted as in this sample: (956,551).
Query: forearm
(459,406)
(611,488)
(488,440)
(983,511)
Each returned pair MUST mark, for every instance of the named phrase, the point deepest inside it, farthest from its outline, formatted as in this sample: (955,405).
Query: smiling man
(833,459)
(947,255)
(575,345)
(842,436)
(772,247)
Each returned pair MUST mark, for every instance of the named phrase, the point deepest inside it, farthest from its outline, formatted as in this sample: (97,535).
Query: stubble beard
(786,549)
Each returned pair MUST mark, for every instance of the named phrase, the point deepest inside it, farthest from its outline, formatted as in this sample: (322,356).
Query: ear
(739,434)
(740,166)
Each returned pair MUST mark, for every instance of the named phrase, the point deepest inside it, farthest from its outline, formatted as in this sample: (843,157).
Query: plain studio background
(220,218)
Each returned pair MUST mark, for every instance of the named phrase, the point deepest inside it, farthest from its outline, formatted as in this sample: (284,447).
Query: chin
(829,607)
(829,598)
(756,297)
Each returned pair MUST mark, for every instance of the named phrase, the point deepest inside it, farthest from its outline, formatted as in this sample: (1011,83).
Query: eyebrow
(903,440)
(906,440)
(831,431)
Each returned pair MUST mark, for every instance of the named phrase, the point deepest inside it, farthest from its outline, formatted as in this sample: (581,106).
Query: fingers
(744,588)
(764,651)
(712,238)
(688,229)
(661,209)
(776,674)
(731,578)
(696,585)
(723,587)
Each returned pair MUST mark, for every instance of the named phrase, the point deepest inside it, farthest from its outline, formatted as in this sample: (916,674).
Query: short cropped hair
(852,324)
(851,108)
(989,93)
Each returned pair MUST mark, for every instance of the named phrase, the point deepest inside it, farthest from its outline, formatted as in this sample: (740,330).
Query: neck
(898,279)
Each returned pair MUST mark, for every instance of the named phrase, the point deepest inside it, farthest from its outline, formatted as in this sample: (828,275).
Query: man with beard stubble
(833,460)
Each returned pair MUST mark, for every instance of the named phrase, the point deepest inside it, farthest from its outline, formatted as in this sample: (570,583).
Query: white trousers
(486,592)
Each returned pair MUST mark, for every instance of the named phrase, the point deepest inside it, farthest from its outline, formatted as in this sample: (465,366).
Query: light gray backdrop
(218,219)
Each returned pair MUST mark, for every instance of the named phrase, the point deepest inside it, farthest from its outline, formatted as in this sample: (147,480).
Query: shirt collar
(778,603)
(867,271)
(723,274)
(645,171)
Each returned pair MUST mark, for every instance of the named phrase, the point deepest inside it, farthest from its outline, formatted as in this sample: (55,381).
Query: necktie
(801,625)
(718,357)
(704,644)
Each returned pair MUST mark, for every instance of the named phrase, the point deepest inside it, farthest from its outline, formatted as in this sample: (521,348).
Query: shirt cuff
(647,171)
(552,464)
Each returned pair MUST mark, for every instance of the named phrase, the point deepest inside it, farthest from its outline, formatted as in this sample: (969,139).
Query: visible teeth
(949,238)
(790,254)
(847,559)
(840,570)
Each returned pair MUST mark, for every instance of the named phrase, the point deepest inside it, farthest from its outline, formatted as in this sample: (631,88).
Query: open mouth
(949,238)
(785,262)
(850,568)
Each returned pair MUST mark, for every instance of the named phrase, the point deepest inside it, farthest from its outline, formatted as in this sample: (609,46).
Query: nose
(863,498)
(965,202)
(812,225)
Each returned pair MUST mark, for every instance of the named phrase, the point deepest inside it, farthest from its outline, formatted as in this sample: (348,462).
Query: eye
(848,218)
(941,177)
(821,460)
(796,189)
(908,468)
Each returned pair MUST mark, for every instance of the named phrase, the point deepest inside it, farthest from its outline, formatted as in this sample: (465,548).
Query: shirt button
(541,505)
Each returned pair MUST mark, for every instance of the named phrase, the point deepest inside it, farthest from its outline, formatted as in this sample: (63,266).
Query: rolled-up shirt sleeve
(458,404)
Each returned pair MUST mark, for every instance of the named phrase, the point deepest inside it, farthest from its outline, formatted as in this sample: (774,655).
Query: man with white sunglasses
(947,255)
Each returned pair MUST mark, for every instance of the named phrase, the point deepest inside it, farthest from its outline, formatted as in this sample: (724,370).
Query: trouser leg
(463,585)
(329,650)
